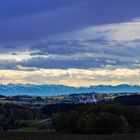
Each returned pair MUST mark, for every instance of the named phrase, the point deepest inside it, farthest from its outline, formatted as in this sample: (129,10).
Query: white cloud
(16,56)
(106,53)
(126,31)
(72,77)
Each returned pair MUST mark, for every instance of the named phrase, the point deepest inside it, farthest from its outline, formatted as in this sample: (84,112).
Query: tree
(107,123)
(59,122)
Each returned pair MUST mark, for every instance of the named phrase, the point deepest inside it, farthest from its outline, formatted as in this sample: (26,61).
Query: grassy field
(46,136)
(4,101)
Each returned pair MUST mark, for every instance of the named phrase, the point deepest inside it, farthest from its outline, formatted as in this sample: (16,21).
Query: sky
(70,42)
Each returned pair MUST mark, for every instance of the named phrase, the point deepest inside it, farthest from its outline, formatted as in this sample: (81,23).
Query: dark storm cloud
(98,46)
(69,47)
(18,8)
(26,20)
(32,27)
(62,47)
(8,64)
(85,63)
(64,54)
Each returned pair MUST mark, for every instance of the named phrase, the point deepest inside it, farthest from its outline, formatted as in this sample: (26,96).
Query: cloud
(98,52)
(123,31)
(72,77)
(7,64)
(30,7)
(75,62)
(26,21)
(102,54)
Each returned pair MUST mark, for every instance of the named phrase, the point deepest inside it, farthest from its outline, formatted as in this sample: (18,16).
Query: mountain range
(52,90)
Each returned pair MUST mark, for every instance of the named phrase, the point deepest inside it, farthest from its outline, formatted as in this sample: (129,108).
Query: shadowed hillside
(44,136)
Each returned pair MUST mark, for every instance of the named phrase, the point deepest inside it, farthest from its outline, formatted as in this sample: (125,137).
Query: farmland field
(46,136)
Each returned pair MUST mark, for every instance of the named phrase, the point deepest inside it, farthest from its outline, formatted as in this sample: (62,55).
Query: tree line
(98,119)
(11,115)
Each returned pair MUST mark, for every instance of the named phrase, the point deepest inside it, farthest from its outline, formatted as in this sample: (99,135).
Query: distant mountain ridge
(49,90)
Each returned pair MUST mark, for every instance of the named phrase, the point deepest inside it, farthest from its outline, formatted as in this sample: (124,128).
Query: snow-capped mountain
(48,90)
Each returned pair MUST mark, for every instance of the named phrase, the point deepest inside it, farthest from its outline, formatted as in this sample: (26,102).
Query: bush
(24,123)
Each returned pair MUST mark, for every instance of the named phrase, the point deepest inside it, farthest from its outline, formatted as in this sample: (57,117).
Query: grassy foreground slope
(45,136)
